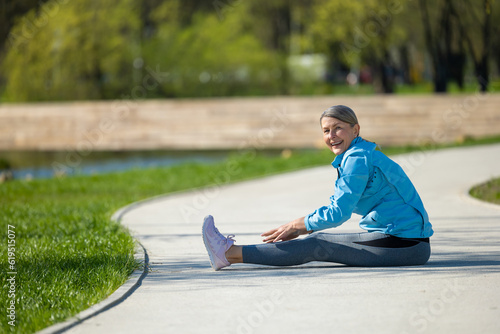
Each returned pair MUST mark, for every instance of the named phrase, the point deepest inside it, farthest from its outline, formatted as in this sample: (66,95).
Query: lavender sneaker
(216,244)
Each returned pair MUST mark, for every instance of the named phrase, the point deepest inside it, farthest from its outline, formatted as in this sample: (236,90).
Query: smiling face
(338,135)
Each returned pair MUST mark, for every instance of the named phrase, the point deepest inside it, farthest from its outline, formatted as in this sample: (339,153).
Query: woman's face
(338,135)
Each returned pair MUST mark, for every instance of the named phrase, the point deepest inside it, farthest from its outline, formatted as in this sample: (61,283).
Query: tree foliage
(90,49)
(209,57)
(11,12)
(362,31)
(85,51)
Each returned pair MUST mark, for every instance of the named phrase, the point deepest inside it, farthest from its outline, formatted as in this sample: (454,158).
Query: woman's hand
(286,232)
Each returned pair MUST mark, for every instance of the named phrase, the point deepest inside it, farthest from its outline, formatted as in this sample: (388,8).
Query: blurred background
(56,52)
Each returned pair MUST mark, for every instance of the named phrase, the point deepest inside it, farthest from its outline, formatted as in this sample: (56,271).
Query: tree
(85,50)
(271,24)
(495,42)
(355,32)
(10,13)
(215,55)
(475,24)
(435,41)
(455,27)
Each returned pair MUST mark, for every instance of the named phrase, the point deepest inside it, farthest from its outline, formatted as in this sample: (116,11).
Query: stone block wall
(234,123)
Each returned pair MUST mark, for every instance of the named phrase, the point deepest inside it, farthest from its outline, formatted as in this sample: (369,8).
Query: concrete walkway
(458,291)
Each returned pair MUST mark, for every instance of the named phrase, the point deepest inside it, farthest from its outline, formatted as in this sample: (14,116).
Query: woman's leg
(353,249)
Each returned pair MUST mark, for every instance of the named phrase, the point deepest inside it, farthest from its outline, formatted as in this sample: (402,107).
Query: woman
(370,184)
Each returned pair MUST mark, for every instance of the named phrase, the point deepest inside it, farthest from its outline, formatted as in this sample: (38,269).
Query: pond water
(36,164)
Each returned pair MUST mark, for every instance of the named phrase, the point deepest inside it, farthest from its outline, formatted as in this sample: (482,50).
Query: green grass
(70,255)
(314,88)
(488,191)
(466,141)
(428,88)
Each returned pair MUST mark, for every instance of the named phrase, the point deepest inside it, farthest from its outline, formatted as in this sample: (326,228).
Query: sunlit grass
(70,255)
(488,191)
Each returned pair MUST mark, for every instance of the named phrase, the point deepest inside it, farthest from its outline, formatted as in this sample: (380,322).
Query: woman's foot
(216,244)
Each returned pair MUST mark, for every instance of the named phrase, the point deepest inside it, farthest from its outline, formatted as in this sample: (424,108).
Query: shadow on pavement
(197,274)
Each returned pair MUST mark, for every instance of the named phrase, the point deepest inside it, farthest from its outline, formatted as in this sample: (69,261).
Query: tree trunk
(387,75)
(439,64)
(405,65)
(480,62)
(440,78)
(483,75)
(482,71)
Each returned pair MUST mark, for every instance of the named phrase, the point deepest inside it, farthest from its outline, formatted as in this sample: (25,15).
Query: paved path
(458,291)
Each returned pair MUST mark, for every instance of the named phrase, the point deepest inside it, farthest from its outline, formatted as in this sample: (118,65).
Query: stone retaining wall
(232,123)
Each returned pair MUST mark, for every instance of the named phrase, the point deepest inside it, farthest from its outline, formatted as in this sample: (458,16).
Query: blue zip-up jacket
(375,187)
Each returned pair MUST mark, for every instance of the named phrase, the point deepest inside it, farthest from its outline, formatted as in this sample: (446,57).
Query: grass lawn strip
(488,191)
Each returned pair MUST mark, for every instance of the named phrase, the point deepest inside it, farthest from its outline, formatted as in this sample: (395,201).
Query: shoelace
(223,241)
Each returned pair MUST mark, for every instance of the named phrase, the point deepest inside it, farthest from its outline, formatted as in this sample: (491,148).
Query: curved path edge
(120,294)
(467,196)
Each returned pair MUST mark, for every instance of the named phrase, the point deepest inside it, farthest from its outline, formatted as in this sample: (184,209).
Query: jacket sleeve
(349,188)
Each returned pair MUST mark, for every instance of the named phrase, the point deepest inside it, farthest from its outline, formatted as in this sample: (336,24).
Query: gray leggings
(368,249)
